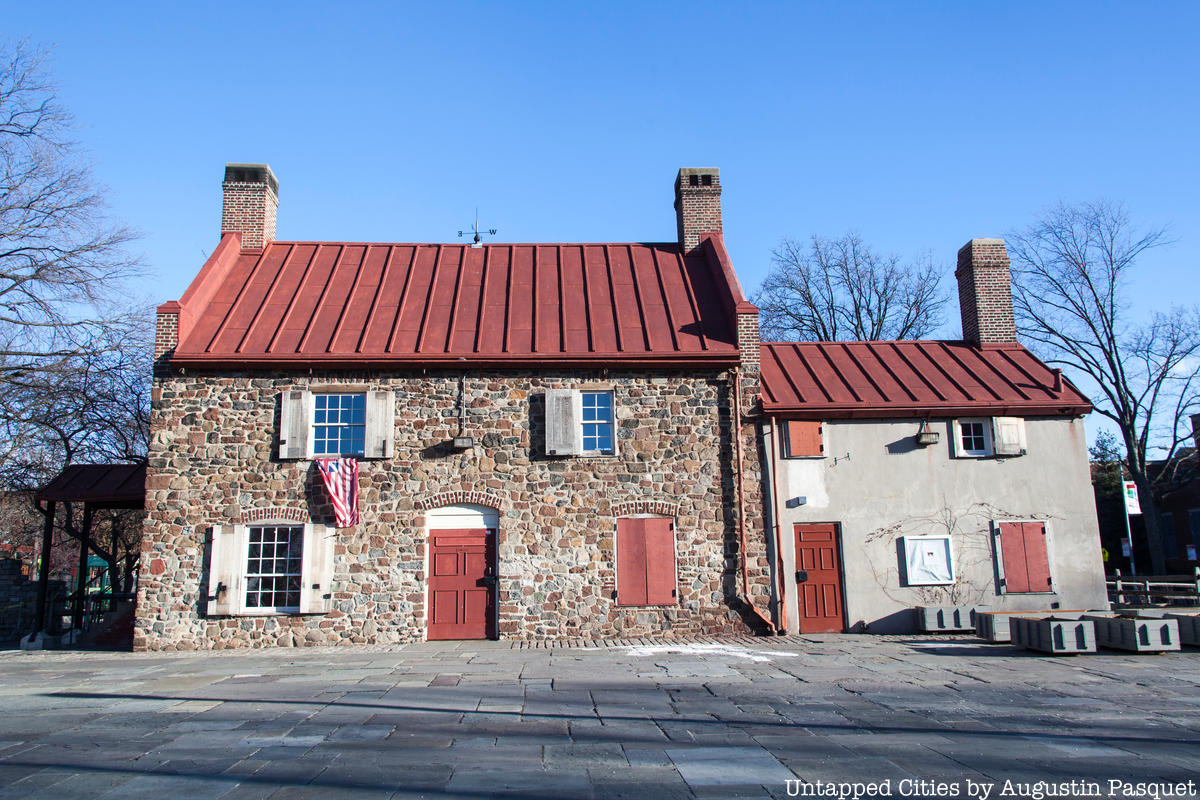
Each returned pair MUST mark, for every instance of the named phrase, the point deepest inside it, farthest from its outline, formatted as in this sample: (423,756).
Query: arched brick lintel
(457,497)
(283,514)
(632,507)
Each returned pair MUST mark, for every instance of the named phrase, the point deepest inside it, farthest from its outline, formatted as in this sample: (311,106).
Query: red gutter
(857,411)
(334,361)
(736,428)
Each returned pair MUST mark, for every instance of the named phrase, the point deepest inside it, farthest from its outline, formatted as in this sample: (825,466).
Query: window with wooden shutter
(802,439)
(646,562)
(224,571)
(1024,557)
(1008,436)
(381,425)
(564,422)
(316,589)
(294,424)
(272,568)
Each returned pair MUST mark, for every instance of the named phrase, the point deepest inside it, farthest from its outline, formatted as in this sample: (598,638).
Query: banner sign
(1131,499)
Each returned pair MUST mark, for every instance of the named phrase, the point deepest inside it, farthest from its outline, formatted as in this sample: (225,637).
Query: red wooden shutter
(631,562)
(804,438)
(1026,563)
(1037,561)
(660,562)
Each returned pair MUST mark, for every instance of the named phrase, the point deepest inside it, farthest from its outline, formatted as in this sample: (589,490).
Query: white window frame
(612,421)
(244,544)
(915,544)
(229,552)
(998,558)
(312,422)
(985,424)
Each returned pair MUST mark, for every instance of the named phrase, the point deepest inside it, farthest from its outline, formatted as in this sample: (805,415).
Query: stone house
(928,473)
(553,440)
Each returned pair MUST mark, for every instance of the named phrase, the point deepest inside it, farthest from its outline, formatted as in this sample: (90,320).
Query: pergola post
(81,579)
(39,621)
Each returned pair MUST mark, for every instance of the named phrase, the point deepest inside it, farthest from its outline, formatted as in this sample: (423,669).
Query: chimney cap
(252,173)
(694,176)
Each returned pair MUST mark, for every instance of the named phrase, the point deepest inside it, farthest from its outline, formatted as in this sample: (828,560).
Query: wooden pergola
(97,486)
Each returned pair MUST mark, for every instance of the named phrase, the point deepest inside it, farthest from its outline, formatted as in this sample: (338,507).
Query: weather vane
(475,229)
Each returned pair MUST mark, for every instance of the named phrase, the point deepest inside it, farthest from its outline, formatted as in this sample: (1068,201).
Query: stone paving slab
(737,717)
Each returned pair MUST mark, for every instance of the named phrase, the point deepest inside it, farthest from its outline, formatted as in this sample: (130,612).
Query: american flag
(341,481)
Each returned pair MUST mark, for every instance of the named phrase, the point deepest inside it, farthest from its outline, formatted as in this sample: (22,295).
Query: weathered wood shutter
(564,422)
(316,587)
(381,426)
(224,571)
(293,424)
(646,562)
(1008,436)
(1025,557)
(804,439)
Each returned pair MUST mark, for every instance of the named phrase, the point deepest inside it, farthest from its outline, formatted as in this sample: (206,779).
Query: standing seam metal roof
(423,303)
(910,378)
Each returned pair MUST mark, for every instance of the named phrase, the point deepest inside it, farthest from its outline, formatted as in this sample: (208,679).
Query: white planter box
(1189,627)
(947,619)
(1054,635)
(1139,634)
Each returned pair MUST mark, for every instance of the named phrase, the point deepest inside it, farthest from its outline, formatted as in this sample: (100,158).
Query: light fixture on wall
(926,437)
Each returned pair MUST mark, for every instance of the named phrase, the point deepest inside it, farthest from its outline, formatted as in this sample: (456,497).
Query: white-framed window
(338,421)
(581,422)
(598,422)
(973,438)
(273,567)
(339,424)
(928,561)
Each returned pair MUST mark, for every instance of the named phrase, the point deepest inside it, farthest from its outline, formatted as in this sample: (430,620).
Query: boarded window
(1024,557)
(802,438)
(645,562)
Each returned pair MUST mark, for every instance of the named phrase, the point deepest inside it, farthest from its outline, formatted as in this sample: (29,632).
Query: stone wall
(213,460)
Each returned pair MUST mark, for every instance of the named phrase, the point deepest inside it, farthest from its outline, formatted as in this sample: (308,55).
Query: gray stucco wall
(879,486)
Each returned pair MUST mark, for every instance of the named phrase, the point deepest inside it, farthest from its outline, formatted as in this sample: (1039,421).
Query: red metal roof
(319,303)
(821,380)
(108,485)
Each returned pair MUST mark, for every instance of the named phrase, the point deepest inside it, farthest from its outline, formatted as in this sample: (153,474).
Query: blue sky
(920,125)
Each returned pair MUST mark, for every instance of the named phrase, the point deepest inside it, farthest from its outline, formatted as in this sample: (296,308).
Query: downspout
(736,430)
(777,521)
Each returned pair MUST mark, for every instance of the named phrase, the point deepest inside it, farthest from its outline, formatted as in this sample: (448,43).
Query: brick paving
(739,717)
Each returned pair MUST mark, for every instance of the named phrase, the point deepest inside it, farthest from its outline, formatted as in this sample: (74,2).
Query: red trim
(593,360)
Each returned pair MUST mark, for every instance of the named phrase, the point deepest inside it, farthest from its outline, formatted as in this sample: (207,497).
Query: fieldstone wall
(213,460)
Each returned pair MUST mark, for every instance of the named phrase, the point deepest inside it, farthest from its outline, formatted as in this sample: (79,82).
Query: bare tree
(840,290)
(60,255)
(1070,271)
(74,364)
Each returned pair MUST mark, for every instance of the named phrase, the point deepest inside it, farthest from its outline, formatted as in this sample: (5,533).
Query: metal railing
(1152,590)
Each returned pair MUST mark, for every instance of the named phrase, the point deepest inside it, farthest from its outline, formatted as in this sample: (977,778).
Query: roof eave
(858,411)
(598,360)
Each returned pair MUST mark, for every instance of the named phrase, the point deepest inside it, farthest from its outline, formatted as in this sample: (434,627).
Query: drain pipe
(777,523)
(736,430)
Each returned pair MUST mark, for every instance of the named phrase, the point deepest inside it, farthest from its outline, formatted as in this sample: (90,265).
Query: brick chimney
(697,204)
(985,292)
(251,198)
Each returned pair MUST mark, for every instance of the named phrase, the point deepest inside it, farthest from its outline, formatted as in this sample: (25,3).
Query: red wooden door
(1026,563)
(820,595)
(462,584)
